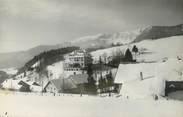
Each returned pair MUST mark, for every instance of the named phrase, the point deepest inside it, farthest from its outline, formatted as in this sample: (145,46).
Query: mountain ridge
(157,32)
(105,40)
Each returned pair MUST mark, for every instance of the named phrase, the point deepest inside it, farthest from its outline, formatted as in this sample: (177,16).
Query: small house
(24,86)
(72,84)
(58,85)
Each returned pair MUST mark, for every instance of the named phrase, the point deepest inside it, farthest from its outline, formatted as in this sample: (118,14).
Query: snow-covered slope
(153,50)
(157,49)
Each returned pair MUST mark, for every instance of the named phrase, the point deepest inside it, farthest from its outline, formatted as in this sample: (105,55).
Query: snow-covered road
(75,106)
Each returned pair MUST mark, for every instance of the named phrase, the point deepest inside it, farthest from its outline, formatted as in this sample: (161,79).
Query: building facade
(75,62)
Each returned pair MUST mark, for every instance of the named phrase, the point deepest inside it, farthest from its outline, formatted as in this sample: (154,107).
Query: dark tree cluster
(116,58)
(105,82)
(3,76)
(135,49)
(120,57)
(90,87)
(128,56)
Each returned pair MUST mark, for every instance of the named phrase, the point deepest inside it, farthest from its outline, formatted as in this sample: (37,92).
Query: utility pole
(63,85)
(141,76)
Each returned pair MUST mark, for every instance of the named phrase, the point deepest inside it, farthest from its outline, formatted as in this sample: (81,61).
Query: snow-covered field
(86,106)
(169,47)
(155,49)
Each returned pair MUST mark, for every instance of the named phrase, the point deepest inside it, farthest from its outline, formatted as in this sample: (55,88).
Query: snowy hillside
(107,39)
(153,50)
(165,47)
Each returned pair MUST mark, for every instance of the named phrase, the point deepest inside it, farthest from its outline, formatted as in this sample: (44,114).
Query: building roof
(154,77)
(69,83)
(62,83)
(143,88)
(23,83)
(78,52)
(79,78)
(131,72)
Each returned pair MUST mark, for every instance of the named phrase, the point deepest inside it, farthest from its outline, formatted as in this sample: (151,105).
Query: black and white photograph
(91,58)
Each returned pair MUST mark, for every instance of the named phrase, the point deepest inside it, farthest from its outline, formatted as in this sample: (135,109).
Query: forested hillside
(47,58)
(3,76)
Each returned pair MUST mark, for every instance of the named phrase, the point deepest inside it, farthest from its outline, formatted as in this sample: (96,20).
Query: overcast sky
(28,23)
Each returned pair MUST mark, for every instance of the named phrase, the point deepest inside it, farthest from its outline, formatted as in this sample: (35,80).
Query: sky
(27,23)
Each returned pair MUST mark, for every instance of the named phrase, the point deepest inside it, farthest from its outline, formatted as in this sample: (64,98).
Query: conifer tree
(135,49)
(128,56)
(109,79)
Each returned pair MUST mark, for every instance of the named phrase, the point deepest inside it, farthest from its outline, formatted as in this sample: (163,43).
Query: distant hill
(157,32)
(3,76)
(18,59)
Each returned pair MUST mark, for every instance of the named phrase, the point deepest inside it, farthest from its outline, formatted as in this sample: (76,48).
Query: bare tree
(104,56)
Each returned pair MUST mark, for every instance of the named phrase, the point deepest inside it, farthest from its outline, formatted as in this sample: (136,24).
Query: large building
(76,61)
